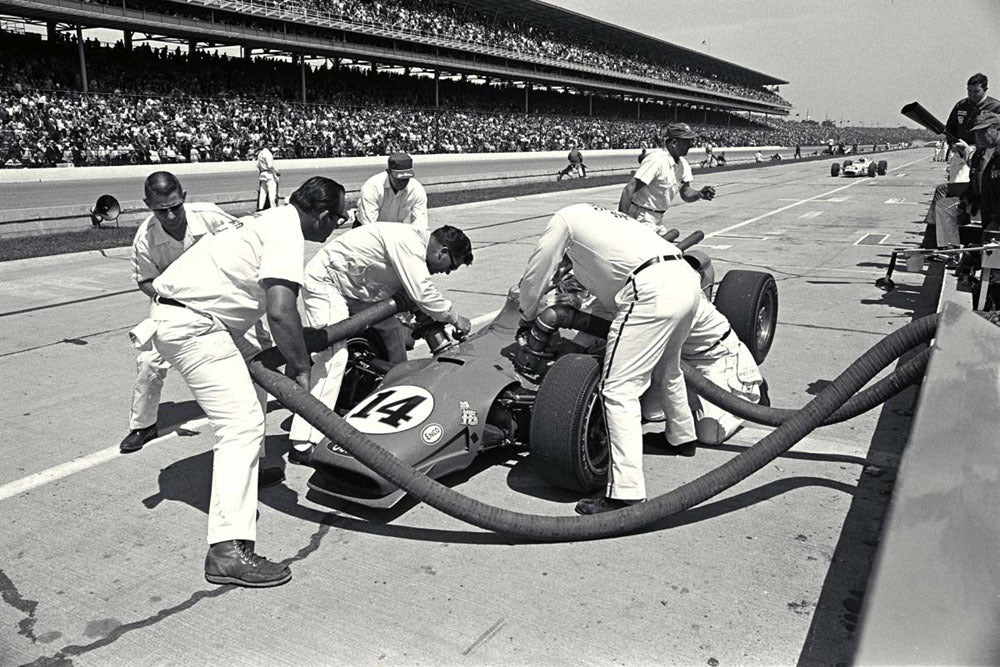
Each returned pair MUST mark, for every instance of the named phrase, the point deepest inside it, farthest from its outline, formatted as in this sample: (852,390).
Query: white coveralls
(713,349)
(153,250)
(654,294)
(378,203)
(664,178)
(219,283)
(267,180)
(365,265)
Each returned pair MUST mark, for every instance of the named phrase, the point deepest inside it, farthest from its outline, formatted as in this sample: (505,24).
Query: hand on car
(708,193)
(462,327)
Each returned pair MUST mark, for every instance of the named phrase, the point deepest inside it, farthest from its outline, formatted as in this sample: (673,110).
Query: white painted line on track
(810,215)
(798,203)
(82,463)
(107,454)
(714,247)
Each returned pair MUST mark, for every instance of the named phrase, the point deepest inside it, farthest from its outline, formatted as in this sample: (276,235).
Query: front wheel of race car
(569,439)
(749,300)
(835,169)
(882,167)
(872,169)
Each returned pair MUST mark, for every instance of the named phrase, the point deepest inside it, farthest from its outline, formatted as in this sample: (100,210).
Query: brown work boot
(234,562)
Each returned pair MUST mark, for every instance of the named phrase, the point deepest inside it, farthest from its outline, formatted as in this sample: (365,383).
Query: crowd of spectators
(463,23)
(156,106)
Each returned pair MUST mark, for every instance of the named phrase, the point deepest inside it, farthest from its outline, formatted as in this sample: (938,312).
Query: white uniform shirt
(153,249)
(378,203)
(265,165)
(221,276)
(604,246)
(663,177)
(373,262)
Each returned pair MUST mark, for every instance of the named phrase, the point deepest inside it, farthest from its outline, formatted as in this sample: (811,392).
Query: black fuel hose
(608,524)
(909,373)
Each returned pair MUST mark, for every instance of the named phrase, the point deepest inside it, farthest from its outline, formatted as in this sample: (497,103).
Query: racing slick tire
(569,439)
(872,169)
(882,167)
(749,300)
(835,169)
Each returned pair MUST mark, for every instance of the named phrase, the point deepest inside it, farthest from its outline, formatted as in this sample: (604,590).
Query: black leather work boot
(136,438)
(234,562)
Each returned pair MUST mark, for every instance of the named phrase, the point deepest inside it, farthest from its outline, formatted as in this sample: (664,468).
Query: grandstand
(326,78)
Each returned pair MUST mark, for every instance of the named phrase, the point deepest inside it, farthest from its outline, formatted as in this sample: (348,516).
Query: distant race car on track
(860,167)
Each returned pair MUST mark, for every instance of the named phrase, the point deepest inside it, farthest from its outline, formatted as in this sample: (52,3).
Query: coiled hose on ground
(609,524)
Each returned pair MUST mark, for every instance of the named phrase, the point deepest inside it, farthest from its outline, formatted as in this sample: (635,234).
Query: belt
(651,210)
(167,301)
(718,342)
(654,260)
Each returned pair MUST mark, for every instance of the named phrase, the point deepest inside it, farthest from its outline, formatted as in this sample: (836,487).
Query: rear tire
(835,169)
(569,439)
(749,300)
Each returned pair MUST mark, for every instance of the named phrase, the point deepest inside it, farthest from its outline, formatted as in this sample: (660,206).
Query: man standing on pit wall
(946,209)
(654,293)
(361,267)
(206,299)
(576,164)
(661,176)
(267,179)
(393,195)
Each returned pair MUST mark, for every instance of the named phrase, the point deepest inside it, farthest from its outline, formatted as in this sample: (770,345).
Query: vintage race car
(860,167)
(439,413)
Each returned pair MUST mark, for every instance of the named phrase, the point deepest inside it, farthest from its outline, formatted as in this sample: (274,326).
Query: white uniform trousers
(650,218)
(730,366)
(324,305)
(267,194)
(656,309)
(152,370)
(205,354)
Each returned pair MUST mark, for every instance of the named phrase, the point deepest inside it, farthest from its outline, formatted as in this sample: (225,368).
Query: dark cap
(986,119)
(401,165)
(680,131)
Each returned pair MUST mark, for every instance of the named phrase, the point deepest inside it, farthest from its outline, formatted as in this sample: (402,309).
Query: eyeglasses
(168,209)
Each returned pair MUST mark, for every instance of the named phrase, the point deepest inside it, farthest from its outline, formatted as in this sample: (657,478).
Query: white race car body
(859,167)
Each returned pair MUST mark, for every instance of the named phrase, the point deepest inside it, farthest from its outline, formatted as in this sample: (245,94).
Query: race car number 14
(392,410)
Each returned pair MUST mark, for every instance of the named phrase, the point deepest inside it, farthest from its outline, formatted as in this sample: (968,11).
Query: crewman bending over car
(714,350)
(654,294)
(368,264)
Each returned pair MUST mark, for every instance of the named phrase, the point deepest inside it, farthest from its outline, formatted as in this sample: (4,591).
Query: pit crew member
(661,176)
(267,179)
(209,296)
(654,294)
(363,266)
(393,195)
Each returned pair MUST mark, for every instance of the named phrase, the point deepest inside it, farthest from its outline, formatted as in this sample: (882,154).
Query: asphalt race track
(101,560)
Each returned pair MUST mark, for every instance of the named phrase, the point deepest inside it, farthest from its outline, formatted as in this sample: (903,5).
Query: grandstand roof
(566,20)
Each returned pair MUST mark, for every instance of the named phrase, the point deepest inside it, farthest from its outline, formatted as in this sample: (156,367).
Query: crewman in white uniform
(654,294)
(660,177)
(393,195)
(173,227)
(714,350)
(209,296)
(363,266)
(267,179)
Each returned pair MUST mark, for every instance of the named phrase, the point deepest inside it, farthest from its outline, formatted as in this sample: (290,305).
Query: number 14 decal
(392,410)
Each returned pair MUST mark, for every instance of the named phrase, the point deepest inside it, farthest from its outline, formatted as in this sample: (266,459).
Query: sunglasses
(169,209)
